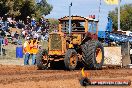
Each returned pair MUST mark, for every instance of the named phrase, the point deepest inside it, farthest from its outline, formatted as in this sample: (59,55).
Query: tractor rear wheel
(42,59)
(71,59)
(93,54)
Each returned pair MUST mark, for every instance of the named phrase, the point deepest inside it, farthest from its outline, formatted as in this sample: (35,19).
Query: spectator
(33,23)
(38,27)
(12,34)
(5,21)
(23,33)
(2,33)
(34,49)
(5,41)
(20,25)
(30,28)
(16,35)
(0,20)
(26,50)
(41,20)
(28,21)
(1,45)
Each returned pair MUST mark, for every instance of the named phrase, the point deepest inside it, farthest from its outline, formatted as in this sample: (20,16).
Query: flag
(112,2)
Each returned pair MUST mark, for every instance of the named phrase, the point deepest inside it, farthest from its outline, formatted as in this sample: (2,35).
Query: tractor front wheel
(42,59)
(71,59)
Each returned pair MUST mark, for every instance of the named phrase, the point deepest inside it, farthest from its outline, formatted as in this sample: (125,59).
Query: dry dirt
(16,76)
(13,74)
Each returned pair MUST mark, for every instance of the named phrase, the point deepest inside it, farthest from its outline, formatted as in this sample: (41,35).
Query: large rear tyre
(42,59)
(71,59)
(93,54)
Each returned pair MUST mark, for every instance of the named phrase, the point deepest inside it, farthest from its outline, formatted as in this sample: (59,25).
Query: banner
(112,2)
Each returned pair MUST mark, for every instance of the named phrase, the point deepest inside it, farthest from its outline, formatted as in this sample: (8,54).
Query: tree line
(20,9)
(126,17)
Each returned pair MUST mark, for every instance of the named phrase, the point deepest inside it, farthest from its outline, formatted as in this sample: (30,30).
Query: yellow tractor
(81,45)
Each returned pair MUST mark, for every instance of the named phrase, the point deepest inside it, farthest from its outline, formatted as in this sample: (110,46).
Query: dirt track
(29,77)
(14,75)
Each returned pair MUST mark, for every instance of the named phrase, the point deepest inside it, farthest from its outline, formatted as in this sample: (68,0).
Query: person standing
(2,50)
(33,23)
(34,49)
(26,49)
(28,20)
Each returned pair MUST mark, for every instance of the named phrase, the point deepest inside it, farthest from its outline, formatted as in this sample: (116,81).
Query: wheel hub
(98,55)
(45,59)
(73,60)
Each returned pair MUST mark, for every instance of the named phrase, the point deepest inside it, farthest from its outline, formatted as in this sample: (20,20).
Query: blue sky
(83,8)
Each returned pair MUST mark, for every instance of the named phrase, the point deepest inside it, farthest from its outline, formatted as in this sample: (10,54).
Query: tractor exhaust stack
(70,29)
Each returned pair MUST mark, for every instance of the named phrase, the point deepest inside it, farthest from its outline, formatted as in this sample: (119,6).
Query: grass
(11,49)
(10,52)
(44,44)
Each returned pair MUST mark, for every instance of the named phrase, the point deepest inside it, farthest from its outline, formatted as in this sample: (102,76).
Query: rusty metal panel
(77,38)
(55,42)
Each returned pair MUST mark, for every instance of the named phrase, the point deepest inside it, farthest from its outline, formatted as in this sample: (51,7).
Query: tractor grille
(56,42)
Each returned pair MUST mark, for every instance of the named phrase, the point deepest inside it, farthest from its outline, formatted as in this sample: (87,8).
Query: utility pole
(119,28)
(99,9)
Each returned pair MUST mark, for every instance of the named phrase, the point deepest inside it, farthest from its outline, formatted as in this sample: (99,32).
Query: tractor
(81,45)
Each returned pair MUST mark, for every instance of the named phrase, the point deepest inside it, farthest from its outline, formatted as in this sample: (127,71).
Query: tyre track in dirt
(35,77)
(11,74)
(14,74)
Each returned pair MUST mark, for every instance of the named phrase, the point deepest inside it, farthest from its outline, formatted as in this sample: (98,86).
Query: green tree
(126,17)
(44,7)
(23,8)
(27,9)
(54,23)
(3,8)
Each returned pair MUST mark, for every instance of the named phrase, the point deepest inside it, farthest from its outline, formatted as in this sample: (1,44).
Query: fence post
(125,51)
(1,46)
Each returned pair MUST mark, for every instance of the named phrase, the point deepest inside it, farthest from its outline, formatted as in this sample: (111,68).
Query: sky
(83,8)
